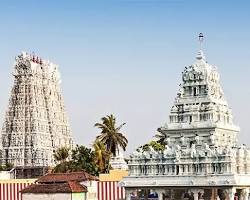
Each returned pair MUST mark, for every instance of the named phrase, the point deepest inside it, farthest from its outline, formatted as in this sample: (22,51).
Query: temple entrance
(187,194)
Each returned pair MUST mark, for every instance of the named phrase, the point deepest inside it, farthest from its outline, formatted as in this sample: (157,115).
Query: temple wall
(106,190)
(57,196)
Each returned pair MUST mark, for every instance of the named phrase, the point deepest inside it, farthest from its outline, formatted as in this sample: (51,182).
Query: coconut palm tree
(101,156)
(110,135)
(61,154)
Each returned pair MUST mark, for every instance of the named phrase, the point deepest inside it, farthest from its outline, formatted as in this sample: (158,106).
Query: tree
(157,146)
(63,167)
(110,135)
(154,144)
(61,154)
(144,147)
(161,136)
(101,157)
(82,159)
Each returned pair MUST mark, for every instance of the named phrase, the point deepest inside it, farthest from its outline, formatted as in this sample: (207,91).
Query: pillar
(196,193)
(231,193)
(185,169)
(213,194)
(245,193)
(201,194)
(128,193)
(160,196)
(160,193)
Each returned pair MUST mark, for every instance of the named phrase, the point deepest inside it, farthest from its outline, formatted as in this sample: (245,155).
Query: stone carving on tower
(35,123)
(200,112)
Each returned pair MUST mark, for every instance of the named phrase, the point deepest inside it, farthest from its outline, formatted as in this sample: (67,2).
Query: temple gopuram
(35,124)
(202,158)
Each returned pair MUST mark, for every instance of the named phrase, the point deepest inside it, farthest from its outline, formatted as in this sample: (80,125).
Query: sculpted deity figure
(197,139)
(227,151)
(178,153)
(202,107)
(212,138)
(193,151)
(182,139)
(174,109)
(178,148)
(241,151)
(218,151)
(208,150)
(146,155)
(168,140)
(181,91)
(167,151)
(152,152)
(234,152)
(247,153)
(19,141)
(134,155)
(186,107)
(139,153)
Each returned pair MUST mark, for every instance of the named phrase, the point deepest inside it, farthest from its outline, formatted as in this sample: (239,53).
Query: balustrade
(179,169)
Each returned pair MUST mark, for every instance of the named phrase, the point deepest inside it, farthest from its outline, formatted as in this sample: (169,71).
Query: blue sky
(126,56)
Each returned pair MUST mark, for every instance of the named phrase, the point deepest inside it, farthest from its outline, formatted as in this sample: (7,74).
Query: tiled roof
(66,177)
(77,187)
(60,183)
(67,187)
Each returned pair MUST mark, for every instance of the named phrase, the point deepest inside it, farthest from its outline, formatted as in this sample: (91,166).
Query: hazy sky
(126,56)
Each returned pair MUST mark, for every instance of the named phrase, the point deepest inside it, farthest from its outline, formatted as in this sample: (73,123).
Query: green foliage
(161,137)
(63,167)
(110,135)
(102,157)
(82,159)
(6,167)
(93,161)
(157,146)
(62,154)
(145,147)
(154,144)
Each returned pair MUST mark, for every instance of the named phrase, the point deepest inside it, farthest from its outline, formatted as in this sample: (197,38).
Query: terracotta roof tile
(65,177)
(77,187)
(67,187)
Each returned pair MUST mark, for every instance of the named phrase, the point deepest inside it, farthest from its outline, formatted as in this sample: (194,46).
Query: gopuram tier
(36,123)
(202,158)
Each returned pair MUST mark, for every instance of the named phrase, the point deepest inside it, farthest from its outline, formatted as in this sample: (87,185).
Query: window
(195,91)
(238,169)
(177,170)
(190,119)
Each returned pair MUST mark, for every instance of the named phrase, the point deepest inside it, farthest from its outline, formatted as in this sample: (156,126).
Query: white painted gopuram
(202,158)
(35,123)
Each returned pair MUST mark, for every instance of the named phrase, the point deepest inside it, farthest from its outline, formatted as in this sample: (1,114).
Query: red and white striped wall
(109,190)
(10,191)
